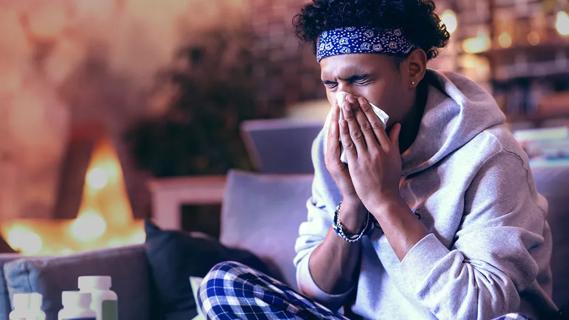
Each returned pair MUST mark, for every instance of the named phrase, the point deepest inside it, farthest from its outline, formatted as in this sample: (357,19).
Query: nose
(343,93)
(345,87)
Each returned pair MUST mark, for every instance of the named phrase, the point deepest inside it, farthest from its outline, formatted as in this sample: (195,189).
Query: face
(375,77)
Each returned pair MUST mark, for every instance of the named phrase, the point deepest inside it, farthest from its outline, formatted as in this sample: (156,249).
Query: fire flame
(105,217)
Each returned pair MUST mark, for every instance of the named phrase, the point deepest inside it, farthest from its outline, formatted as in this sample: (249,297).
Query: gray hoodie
(489,246)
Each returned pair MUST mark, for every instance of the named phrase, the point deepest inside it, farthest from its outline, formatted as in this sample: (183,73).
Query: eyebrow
(351,78)
(349,73)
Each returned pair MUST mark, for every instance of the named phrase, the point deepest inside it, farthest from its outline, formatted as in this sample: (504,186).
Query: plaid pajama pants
(232,290)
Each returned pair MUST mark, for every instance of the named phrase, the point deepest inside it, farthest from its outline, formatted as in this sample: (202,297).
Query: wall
(288,72)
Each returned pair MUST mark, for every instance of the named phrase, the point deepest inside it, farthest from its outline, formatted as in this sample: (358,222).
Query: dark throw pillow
(174,256)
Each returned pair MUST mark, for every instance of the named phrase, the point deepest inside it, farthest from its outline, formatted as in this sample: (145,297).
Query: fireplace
(104,218)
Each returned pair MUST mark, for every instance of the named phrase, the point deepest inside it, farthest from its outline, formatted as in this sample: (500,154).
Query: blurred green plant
(211,91)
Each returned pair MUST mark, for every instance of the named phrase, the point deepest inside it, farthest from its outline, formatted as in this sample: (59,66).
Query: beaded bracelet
(339,228)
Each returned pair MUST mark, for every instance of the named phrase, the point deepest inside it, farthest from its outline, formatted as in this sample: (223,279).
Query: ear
(416,66)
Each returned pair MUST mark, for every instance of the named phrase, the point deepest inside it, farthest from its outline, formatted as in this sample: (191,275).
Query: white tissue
(341,99)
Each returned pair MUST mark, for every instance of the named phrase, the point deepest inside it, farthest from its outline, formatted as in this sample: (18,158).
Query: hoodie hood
(457,109)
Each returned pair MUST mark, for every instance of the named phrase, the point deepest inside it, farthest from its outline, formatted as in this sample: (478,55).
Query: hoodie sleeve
(498,249)
(313,231)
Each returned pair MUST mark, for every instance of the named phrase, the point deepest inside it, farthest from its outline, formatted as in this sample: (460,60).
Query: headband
(362,40)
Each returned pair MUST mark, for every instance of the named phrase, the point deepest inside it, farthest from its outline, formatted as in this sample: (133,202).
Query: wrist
(352,204)
(341,230)
(388,207)
(353,215)
(351,199)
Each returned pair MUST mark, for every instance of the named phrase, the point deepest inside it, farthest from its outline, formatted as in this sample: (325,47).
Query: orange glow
(534,38)
(23,239)
(88,226)
(105,217)
(505,40)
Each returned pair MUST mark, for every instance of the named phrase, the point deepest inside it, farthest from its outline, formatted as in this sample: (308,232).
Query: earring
(412,84)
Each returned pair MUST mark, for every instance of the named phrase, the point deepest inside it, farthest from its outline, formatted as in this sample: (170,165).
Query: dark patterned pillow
(174,256)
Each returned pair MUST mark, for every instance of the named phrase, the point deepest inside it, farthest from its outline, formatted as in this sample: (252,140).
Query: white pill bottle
(104,301)
(76,306)
(27,306)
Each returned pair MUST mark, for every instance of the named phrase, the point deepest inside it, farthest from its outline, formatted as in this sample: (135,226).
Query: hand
(339,171)
(374,160)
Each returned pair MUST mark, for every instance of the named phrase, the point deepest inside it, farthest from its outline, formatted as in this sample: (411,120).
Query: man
(433,214)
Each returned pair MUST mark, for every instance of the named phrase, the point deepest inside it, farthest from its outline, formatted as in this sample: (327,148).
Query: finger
(383,138)
(366,126)
(394,135)
(333,144)
(347,144)
(355,133)
(333,131)
(376,124)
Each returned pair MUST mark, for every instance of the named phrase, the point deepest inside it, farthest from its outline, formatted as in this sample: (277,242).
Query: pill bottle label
(110,310)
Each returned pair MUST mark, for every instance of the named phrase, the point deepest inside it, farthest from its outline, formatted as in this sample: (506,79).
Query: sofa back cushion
(262,212)
(51,275)
(552,181)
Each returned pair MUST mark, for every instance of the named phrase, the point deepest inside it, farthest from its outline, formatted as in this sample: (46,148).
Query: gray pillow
(262,212)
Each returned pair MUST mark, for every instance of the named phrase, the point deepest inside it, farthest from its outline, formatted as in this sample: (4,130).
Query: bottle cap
(94,282)
(21,301)
(36,300)
(27,301)
(76,298)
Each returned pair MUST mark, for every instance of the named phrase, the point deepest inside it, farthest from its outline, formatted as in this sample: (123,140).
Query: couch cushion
(51,275)
(262,213)
(175,256)
(552,181)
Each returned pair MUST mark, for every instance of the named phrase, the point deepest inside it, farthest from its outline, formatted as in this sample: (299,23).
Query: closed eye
(359,79)
(330,84)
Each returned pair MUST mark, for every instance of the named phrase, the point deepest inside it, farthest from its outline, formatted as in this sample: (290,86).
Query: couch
(280,203)
(260,213)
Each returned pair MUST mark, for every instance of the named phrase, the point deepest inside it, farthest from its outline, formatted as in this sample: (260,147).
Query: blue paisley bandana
(362,40)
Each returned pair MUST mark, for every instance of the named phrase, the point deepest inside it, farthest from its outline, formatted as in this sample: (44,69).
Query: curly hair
(416,18)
